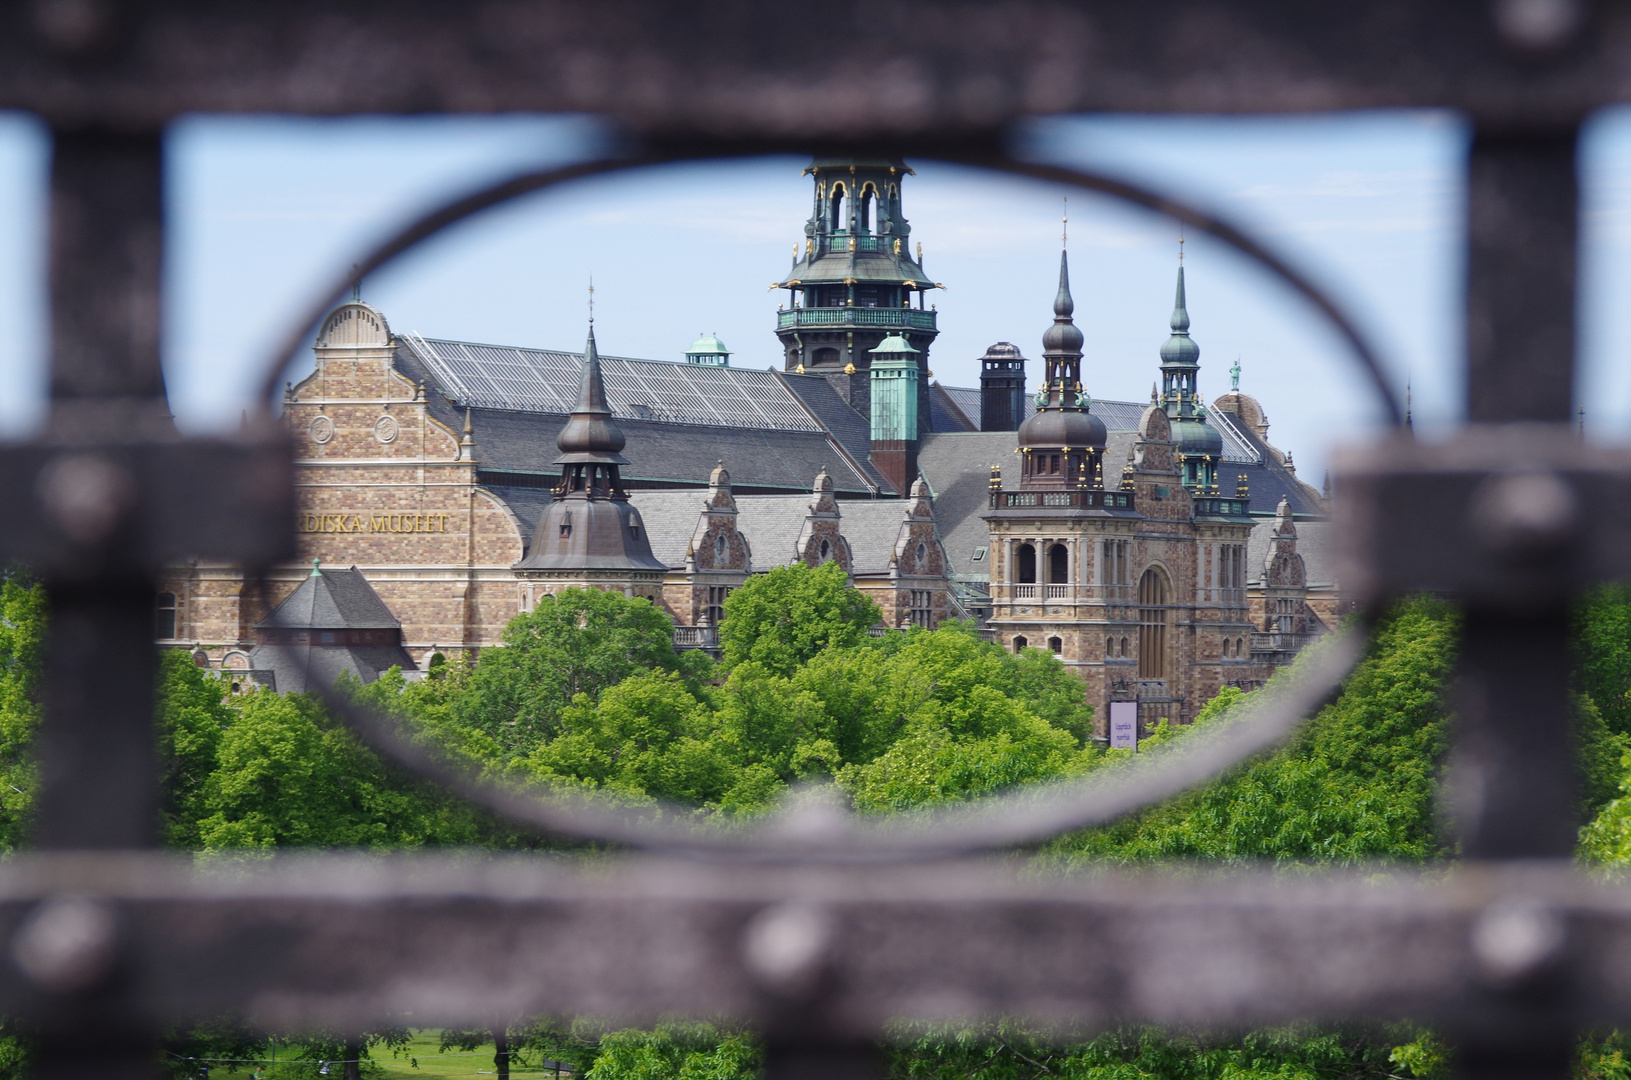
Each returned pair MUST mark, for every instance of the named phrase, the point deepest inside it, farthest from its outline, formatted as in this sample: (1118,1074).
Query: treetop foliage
(783,618)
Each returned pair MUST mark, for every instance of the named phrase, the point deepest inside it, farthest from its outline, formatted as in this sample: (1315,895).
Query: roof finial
(1064,223)
(316,570)
(591,300)
(356,285)
(1408,423)
(1582,421)
(1180,243)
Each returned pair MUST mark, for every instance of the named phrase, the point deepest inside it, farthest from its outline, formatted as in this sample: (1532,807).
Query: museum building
(461,481)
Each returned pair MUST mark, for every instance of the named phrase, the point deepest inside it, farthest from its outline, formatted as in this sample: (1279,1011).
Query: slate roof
(332,600)
(872,528)
(946,413)
(772,524)
(670,518)
(294,669)
(848,428)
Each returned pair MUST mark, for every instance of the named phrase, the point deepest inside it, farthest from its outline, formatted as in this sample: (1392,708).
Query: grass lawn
(432,1064)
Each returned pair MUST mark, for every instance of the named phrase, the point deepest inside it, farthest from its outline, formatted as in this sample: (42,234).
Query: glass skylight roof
(542,380)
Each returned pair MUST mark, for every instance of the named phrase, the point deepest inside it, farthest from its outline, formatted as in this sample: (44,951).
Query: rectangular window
(922,608)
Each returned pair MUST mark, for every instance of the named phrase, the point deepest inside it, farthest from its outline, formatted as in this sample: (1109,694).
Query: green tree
(22,632)
(784,618)
(1602,653)
(287,775)
(578,641)
(192,718)
(1357,783)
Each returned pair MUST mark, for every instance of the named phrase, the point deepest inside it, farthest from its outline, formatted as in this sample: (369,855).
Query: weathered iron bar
(346,943)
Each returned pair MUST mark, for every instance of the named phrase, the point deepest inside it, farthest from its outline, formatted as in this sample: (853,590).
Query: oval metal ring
(813,830)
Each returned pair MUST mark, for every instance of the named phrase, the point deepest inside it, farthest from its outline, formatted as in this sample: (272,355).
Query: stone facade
(384,487)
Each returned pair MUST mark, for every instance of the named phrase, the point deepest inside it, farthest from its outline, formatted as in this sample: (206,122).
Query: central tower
(854,281)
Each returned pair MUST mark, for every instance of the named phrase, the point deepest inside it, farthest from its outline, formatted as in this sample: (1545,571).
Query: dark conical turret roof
(591,434)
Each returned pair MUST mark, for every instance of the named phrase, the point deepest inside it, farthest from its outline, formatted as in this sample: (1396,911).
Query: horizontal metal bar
(348,943)
(1511,516)
(721,67)
(86,511)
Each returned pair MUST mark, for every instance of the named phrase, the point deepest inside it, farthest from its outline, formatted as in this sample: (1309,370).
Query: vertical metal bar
(1514,773)
(1521,224)
(97,742)
(1520,317)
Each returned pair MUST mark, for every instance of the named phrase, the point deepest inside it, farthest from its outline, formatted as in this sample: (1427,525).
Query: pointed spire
(591,430)
(1180,310)
(1063,305)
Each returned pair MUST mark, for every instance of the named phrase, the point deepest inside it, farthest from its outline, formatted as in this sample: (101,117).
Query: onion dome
(1191,437)
(1062,427)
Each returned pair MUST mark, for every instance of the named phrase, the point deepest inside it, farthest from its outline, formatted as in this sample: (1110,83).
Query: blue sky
(266,210)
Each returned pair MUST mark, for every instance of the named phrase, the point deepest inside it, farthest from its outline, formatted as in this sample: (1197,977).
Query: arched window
(1058,564)
(825,356)
(1240,646)
(1057,645)
(1025,564)
(864,218)
(826,551)
(1152,624)
(1109,647)
(720,547)
(164,621)
(1124,647)
(837,204)
(1020,643)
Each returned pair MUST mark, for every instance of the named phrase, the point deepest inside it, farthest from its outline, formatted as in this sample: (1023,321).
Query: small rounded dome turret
(708,343)
(1003,350)
(1062,427)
